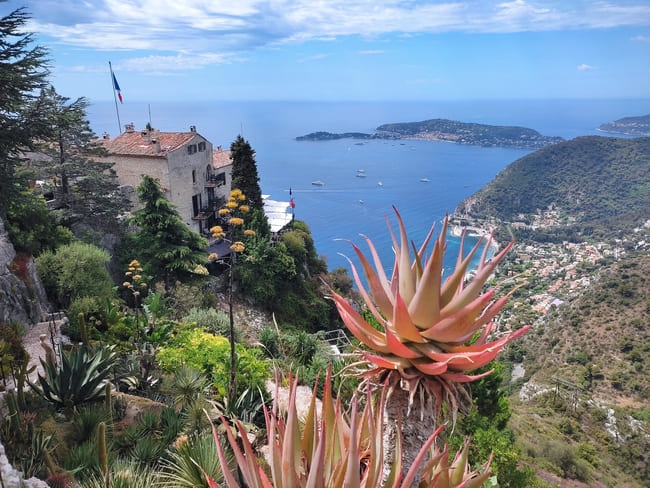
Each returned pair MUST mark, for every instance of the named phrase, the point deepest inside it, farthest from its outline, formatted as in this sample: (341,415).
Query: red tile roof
(221,159)
(138,143)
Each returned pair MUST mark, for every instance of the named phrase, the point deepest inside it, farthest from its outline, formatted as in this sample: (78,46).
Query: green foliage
(214,321)
(244,172)
(211,355)
(84,423)
(167,249)
(75,270)
(125,473)
(88,307)
(32,227)
(600,181)
(23,71)
(13,344)
(78,380)
(187,463)
(185,385)
(86,191)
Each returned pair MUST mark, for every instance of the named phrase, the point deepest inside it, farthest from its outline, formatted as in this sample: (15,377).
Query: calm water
(346,205)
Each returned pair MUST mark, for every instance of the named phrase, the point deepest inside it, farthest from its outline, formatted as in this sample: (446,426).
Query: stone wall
(18,301)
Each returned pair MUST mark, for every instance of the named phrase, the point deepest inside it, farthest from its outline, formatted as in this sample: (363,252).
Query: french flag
(116,86)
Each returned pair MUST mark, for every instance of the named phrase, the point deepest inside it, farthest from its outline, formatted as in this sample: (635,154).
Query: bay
(346,206)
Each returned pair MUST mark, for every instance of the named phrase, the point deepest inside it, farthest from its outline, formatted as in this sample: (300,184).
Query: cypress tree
(244,172)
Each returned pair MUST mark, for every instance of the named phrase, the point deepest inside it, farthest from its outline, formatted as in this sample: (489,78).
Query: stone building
(193,176)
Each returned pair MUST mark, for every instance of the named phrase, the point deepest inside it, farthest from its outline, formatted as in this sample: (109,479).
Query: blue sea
(346,206)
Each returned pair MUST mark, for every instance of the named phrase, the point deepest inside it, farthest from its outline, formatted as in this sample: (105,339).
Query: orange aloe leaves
(406,279)
(454,284)
(461,323)
(361,329)
(378,284)
(387,305)
(474,287)
(425,305)
(387,362)
(402,324)
(352,479)
(428,367)
(398,348)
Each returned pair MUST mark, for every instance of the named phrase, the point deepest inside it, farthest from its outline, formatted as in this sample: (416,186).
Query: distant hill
(470,133)
(633,126)
(599,185)
(450,131)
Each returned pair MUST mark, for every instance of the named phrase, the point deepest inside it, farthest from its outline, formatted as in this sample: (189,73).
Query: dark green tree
(167,249)
(23,71)
(86,189)
(244,172)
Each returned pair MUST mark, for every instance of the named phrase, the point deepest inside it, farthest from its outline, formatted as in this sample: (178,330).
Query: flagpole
(117,111)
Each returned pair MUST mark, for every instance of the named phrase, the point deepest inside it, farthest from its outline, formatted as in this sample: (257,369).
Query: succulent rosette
(431,333)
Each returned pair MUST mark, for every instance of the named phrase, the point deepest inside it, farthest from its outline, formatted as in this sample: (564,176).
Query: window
(191,149)
(193,176)
(202,146)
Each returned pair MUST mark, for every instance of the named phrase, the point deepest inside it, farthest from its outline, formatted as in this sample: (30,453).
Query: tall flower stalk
(431,333)
(234,210)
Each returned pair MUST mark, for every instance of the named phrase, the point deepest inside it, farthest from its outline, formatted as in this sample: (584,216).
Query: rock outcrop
(22,297)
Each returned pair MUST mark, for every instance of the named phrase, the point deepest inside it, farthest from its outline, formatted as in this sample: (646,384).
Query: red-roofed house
(193,176)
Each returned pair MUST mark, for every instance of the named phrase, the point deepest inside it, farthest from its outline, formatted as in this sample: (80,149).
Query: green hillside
(598,185)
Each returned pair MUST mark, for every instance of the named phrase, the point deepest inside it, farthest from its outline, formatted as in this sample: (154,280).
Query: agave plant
(336,450)
(80,379)
(431,333)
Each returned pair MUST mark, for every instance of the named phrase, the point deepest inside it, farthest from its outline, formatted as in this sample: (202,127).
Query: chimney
(156,144)
(219,148)
(129,127)
(106,137)
(192,128)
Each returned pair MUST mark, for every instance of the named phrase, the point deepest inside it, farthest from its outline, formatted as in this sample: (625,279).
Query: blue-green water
(347,205)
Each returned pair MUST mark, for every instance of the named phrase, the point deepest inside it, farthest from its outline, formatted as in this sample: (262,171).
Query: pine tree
(166,247)
(23,70)
(244,172)
(87,189)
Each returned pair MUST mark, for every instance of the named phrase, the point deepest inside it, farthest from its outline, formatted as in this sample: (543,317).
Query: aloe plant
(337,450)
(79,379)
(431,333)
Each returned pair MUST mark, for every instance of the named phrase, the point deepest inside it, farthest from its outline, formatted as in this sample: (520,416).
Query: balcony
(204,214)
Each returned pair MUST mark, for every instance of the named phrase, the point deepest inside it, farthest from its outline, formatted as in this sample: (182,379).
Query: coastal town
(549,273)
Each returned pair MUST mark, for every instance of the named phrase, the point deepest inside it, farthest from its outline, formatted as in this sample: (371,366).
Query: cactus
(108,403)
(21,376)
(14,416)
(102,452)
(83,330)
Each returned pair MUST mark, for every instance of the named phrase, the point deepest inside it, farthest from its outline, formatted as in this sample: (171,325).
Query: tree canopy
(244,172)
(86,189)
(165,246)
(23,70)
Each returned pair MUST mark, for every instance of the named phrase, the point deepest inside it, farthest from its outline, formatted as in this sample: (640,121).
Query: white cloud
(585,67)
(641,38)
(372,51)
(170,28)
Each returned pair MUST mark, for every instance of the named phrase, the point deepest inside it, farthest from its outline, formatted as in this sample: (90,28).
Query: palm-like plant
(80,379)
(432,333)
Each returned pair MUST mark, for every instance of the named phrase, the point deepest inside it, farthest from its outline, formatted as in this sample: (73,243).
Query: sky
(376,50)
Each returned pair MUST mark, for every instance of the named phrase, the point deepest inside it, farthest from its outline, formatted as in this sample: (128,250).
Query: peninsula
(451,131)
(631,126)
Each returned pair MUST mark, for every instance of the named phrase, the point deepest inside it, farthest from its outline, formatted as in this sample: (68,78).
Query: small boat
(317,183)
(360,201)
(380,183)
(361,175)
(361,171)
(425,180)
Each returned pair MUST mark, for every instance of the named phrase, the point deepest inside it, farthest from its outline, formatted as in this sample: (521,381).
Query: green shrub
(215,321)
(75,270)
(89,307)
(210,354)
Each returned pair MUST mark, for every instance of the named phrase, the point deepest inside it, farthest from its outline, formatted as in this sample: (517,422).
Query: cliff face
(22,297)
